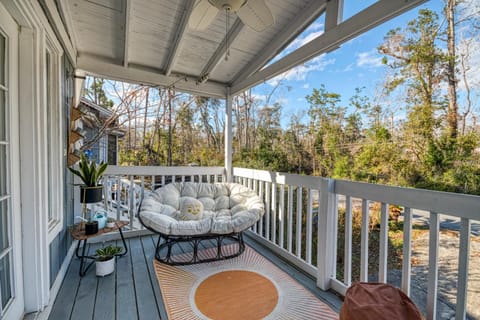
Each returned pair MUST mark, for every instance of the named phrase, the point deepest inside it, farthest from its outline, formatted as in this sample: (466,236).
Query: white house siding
(60,245)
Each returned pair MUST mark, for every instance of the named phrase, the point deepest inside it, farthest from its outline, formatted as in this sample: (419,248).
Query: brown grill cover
(377,301)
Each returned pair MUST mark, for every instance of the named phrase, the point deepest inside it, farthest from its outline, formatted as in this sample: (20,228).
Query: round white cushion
(227,208)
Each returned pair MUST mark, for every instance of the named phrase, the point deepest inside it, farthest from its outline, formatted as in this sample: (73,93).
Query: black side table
(78,233)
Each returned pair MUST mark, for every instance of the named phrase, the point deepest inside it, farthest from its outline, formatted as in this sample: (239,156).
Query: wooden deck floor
(133,291)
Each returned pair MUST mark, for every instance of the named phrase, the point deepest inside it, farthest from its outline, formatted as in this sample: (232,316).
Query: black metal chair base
(165,244)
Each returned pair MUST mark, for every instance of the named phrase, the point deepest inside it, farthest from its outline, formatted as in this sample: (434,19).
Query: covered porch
(307,232)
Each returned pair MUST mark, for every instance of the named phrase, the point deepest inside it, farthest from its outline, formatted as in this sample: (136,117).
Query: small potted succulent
(91,190)
(105,260)
(111,223)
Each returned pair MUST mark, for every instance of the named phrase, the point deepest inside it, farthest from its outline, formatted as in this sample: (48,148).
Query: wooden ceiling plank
(309,14)
(177,42)
(379,12)
(126,41)
(64,36)
(219,53)
(65,12)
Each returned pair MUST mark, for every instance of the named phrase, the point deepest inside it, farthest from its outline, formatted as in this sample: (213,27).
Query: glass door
(11,300)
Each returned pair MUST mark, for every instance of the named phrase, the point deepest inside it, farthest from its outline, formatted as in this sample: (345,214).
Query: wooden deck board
(62,308)
(132,292)
(149,250)
(146,303)
(87,291)
(125,294)
(105,303)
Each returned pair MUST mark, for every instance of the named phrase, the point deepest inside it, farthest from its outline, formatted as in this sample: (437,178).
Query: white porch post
(228,136)
(327,233)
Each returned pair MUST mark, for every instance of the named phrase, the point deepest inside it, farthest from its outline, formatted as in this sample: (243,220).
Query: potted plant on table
(105,260)
(91,190)
(111,223)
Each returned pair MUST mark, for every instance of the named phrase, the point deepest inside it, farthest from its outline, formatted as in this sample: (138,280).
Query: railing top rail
(279,177)
(456,204)
(160,170)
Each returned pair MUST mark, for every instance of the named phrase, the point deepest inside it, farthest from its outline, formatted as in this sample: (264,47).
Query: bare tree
(452,112)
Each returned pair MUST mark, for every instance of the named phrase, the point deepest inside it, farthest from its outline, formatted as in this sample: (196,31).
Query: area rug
(247,287)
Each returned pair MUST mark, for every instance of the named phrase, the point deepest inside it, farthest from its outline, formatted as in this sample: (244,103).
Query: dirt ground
(447,276)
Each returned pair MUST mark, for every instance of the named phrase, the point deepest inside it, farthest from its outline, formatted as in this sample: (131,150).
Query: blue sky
(355,64)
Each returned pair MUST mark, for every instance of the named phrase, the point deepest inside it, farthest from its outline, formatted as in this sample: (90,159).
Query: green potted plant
(90,173)
(91,190)
(105,260)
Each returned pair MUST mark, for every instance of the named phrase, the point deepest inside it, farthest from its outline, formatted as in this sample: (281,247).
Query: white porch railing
(125,186)
(300,222)
(289,228)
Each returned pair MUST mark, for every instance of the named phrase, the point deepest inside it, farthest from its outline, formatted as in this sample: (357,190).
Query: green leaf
(89,172)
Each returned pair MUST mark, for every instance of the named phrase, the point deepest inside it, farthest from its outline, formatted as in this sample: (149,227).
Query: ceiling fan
(253,13)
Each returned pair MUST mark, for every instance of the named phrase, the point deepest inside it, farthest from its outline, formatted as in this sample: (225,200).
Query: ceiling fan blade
(256,15)
(202,15)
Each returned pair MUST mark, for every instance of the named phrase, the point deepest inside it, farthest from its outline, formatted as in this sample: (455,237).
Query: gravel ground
(447,277)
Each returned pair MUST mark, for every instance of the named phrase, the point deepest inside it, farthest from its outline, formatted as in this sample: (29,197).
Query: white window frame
(7,197)
(53,117)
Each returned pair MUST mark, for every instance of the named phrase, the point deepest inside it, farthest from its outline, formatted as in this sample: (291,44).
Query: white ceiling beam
(220,52)
(309,14)
(108,69)
(179,33)
(126,46)
(333,14)
(381,11)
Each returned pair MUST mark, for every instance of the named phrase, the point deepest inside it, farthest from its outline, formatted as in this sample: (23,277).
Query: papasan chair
(197,214)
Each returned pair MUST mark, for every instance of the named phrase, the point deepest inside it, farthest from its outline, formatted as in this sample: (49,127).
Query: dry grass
(395,241)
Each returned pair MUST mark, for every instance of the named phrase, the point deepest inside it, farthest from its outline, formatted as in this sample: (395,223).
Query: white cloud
(259,97)
(282,101)
(468,8)
(314,31)
(316,26)
(348,68)
(306,86)
(369,59)
(472,61)
(300,42)
(300,73)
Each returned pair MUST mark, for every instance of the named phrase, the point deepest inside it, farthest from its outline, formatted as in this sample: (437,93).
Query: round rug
(217,296)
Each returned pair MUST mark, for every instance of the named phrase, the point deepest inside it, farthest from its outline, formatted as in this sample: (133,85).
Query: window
(6,252)
(53,139)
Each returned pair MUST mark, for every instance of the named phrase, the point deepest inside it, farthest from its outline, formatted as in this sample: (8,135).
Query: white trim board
(34,29)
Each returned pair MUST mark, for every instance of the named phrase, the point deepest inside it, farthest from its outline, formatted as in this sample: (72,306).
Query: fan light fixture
(253,13)
(230,5)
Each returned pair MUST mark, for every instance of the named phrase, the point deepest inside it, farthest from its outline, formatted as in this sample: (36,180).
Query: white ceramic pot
(104,268)
(111,224)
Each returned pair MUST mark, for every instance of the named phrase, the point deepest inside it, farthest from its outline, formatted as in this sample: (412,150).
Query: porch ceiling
(150,41)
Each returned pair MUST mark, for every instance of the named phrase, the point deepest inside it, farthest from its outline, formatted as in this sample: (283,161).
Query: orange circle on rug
(236,295)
